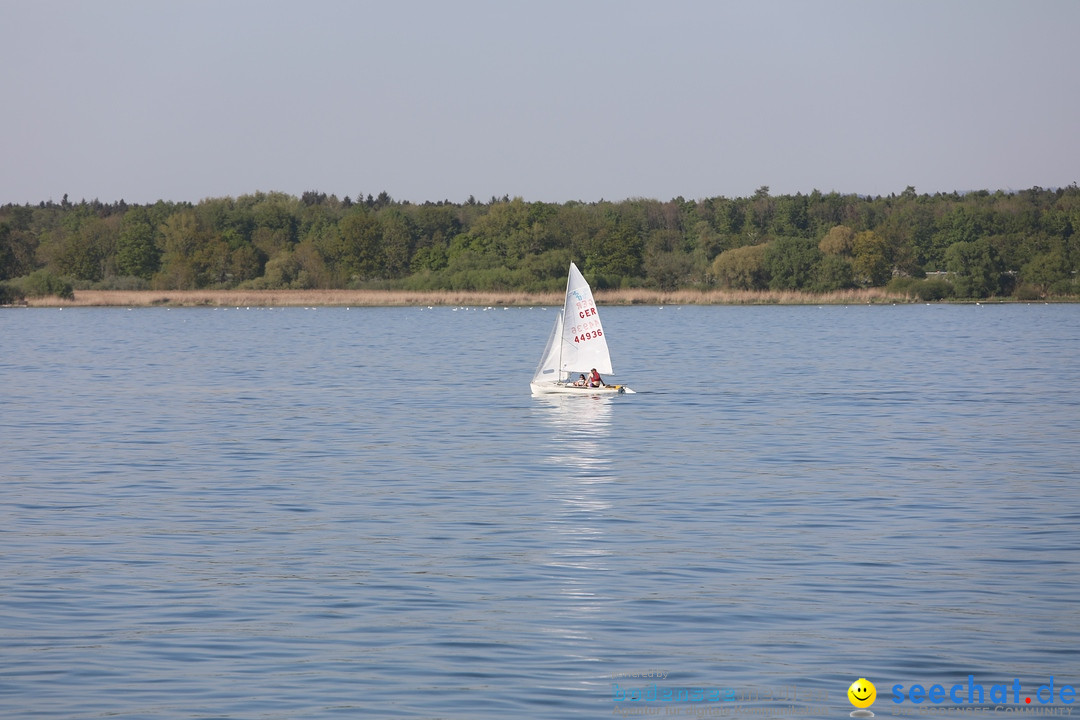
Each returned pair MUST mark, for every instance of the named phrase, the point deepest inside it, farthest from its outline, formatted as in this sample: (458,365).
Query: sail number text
(588,335)
(589,329)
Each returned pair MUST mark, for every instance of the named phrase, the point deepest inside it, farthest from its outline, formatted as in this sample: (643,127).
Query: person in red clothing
(595,380)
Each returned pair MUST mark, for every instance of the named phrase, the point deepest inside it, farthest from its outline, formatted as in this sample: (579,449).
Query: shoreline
(452,298)
(449,298)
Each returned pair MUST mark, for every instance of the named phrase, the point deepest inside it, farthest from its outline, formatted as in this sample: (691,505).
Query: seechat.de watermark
(973,696)
(974,692)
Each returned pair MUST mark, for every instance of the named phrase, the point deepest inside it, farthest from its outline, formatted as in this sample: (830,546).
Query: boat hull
(556,388)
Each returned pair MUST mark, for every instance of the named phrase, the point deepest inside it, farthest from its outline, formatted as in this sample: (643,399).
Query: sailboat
(577,345)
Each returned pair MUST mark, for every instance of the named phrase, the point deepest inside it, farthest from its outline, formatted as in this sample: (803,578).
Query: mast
(569,274)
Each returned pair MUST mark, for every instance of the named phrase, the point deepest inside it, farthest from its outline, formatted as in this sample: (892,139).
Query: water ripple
(217,513)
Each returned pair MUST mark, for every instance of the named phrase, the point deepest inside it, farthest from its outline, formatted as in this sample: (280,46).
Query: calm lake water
(338,513)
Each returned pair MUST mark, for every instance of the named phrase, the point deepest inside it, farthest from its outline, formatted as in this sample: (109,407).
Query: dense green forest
(970,245)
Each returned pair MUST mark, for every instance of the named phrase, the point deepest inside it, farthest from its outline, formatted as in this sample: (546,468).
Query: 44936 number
(588,336)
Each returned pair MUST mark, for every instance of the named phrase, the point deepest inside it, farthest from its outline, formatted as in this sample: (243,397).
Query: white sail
(584,344)
(548,370)
(577,343)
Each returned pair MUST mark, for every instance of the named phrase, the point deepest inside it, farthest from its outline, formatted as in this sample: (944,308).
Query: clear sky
(550,100)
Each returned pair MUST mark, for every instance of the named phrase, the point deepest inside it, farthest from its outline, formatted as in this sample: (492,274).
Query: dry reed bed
(392,298)
(287,298)
(747,297)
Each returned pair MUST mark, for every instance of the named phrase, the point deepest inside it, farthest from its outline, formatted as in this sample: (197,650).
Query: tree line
(973,244)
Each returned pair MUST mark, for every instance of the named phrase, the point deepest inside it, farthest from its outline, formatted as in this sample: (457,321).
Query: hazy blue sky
(550,100)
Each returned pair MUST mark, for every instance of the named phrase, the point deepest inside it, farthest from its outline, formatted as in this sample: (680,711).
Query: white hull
(555,388)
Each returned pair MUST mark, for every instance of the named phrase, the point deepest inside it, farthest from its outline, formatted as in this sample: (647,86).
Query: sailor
(595,380)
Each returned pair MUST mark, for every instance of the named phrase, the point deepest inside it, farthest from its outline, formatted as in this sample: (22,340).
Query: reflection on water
(582,429)
(579,552)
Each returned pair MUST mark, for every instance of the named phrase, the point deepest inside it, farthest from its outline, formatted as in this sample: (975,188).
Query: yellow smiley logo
(862,693)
